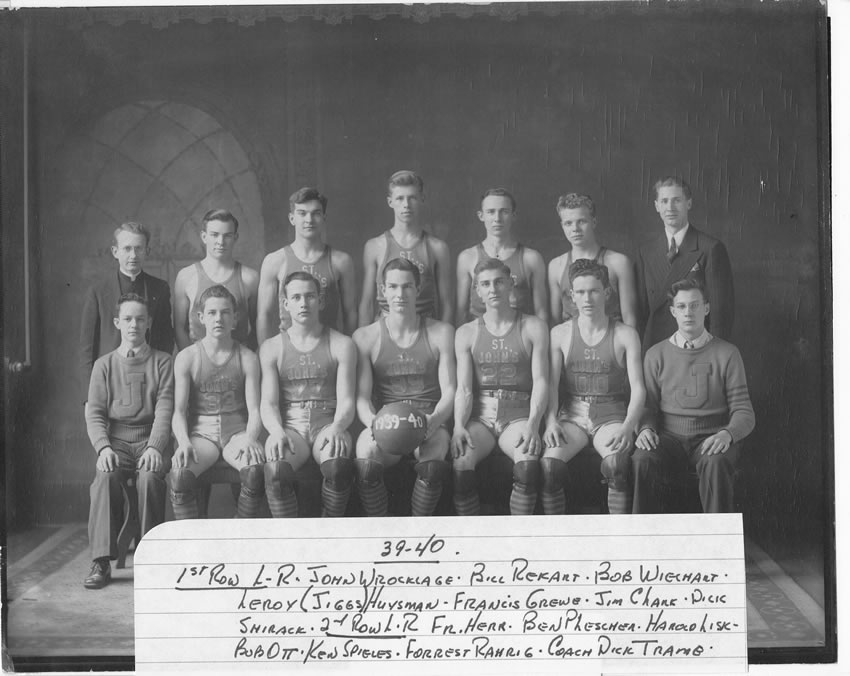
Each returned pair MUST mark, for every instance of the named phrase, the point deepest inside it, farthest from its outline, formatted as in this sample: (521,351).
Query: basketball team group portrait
(402,261)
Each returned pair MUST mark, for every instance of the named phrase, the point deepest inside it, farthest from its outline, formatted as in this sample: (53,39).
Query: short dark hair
(300,276)
(585,267)
(222,215)
(135,228)
(403,265)
(131,298)
(305,194)
(499,192)
(216,291)
(491,264)
(574,200)
(687,284)
(672,181)
(405,177)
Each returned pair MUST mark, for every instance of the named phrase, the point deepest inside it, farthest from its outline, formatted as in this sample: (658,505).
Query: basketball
(399,428)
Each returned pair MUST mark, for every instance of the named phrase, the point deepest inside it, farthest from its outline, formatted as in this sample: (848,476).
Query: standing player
(497,213)
(308,402)
(407,239)
(501,373)
(600,357)
(219,236)
(698,407)
(308,253)
(578,220)
(680,252)
(98,335)
(216,409)
(128,415)
(404,357)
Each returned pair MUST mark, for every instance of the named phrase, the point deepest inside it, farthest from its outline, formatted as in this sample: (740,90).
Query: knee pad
(183,483)
(251,478)
(615,469)
(369,471)
(527,473)
(432,471)
(338,472)
(465,481)
(279,471)
(554,473)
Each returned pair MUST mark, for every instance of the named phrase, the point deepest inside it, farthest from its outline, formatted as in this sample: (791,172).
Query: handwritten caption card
(540,594)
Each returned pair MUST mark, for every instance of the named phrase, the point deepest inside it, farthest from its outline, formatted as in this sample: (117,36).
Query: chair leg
(202,495)
(131,526)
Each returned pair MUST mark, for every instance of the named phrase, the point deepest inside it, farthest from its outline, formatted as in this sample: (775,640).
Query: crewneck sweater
(131,399)
(697,391)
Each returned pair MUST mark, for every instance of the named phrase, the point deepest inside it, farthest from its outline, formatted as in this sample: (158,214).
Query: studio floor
(50,613)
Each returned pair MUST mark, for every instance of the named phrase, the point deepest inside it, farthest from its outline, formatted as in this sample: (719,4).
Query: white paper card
(538,594)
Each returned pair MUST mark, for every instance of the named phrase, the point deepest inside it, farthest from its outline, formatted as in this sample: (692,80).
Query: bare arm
(538,334)
(370,274)
(268,311)
(537,269)
(560,340)
(442,336)
(634,368)
(463,397)
(342,347)
(182,386)
(181,308)
(443,279)
(347,291)
(251,366)
(464,285)
(554,279)
(251,282)
(270,388)
(363,339)
(627,289)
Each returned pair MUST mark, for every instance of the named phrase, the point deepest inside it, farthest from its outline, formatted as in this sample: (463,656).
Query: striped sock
(334,500)
(280,489)
(373,497)
(619,502)
(251,492)
(554,501)
(426,495)
(523,499)
(183,496)
(185,510)
(467,505)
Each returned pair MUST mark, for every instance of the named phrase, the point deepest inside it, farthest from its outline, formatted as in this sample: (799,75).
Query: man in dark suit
(98,334)
(682,252)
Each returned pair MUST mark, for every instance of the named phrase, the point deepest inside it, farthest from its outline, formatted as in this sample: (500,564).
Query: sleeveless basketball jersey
(233,284)
(501,362)
(568,308)
(426,301)
(520,296)
(331,312)
(594,371)
(405,373)
(307,376)
(217,389)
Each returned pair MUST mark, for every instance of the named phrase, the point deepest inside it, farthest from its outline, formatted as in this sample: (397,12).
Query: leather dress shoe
(100,575)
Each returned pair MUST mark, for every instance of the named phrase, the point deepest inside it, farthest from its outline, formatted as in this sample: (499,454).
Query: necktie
(130,354)
(689,345)
(673,250)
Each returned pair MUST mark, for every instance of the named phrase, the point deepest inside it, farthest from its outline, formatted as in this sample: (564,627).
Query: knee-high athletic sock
(466,493)
(280,491)
(554,501)
(619,501)
(371,488)
(523,499)
(183,494)
(250,492)
(335,500)
(426,495)
(554,472)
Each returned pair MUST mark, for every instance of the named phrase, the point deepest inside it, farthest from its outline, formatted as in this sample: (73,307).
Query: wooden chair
(131,529)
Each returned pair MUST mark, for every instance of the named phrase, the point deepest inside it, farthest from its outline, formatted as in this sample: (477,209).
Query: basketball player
(128,416)
(578,221)
(407,239)
(497,213)
(218,235)
(308,252)
(308,401)
(216,409)
(601,362)
(501,373)
(404,356)
(698,407)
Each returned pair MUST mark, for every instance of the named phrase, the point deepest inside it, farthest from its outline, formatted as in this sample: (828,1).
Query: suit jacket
(98,334)
(701,256)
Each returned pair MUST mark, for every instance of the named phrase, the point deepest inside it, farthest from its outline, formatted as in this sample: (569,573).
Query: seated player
(216,409)
(219,236)
(501,374)
(600,358)
(308,402)
(309,253)
(409,240)
(578,221)
(128,416)
(698,408)
(497,213)
(404,357)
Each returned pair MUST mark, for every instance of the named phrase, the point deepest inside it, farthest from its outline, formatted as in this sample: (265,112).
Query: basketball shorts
(590,416)
(308,418)
(496,413)
(220,428)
